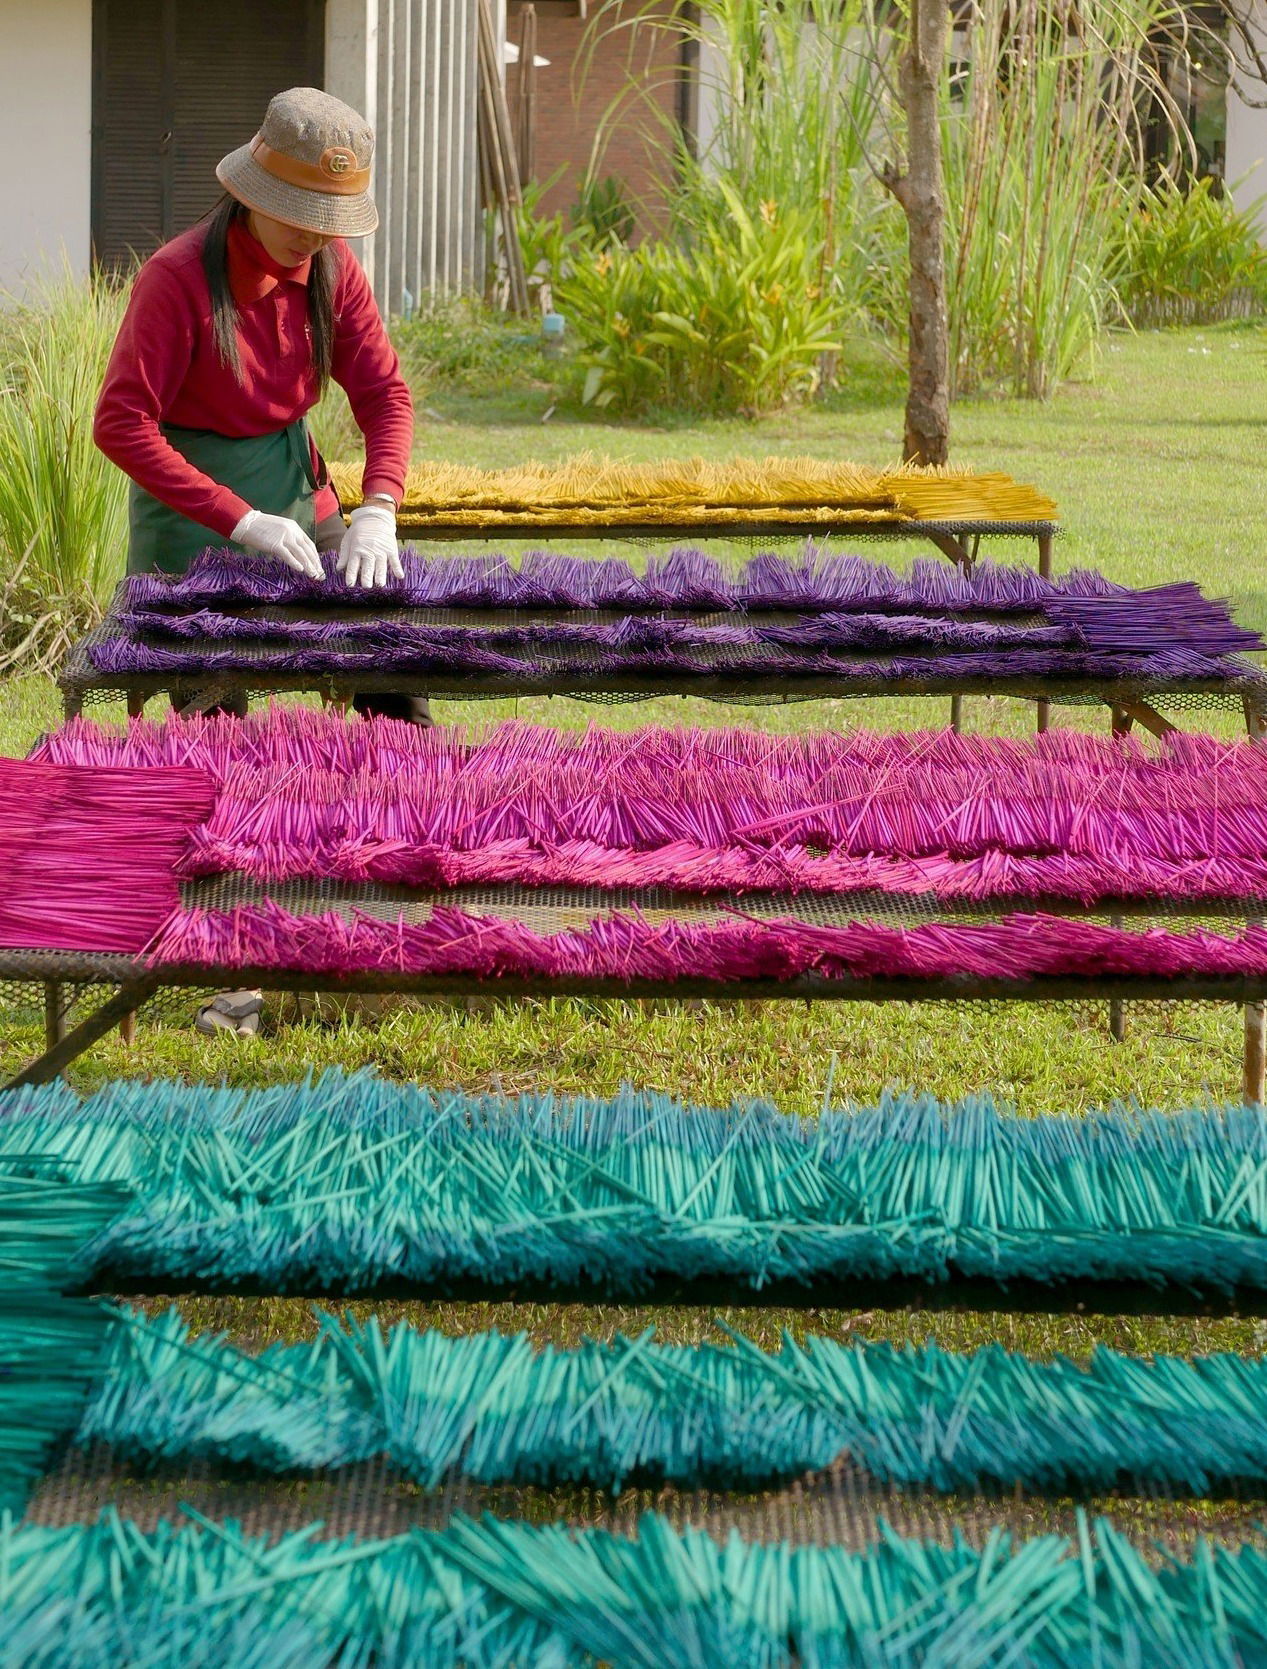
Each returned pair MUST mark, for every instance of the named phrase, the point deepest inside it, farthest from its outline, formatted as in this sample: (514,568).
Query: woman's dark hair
(321,283)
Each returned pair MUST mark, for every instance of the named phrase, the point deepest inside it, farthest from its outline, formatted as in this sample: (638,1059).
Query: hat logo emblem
(338,161)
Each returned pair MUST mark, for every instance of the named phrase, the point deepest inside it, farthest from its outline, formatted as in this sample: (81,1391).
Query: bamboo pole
(527,95)
(498,141)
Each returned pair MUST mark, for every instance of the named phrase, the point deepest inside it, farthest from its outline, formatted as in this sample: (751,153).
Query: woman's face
(289,246)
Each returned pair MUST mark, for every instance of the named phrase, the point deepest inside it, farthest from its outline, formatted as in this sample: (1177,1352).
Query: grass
(1156,470)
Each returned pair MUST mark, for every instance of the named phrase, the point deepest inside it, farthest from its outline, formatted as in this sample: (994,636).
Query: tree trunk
(919,191)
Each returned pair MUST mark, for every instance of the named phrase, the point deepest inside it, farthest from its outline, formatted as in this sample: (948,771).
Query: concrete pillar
(352,75)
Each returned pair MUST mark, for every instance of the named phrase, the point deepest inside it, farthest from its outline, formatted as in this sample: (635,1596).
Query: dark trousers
(376,704)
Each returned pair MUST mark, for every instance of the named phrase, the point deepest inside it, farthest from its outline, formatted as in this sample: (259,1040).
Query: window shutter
(177,84)
(127,129)
(231,57)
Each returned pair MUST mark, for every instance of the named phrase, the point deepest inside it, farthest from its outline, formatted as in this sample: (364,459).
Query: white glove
(369,551)
(279,537)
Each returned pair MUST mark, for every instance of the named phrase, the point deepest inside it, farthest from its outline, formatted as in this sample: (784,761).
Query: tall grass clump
(1042,145)
(765,264)
(63,512)
(1191,256)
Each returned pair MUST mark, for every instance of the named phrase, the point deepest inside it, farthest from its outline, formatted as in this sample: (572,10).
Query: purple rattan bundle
(817,615)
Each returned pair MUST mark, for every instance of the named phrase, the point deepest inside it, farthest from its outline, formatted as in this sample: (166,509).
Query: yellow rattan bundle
(682,493)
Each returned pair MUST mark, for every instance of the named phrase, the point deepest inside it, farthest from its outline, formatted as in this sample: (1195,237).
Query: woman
(232,331)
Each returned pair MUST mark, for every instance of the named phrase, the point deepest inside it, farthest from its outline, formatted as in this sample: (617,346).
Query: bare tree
(918,188)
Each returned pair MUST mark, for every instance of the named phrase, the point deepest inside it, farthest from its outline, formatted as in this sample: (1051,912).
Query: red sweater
(165,369)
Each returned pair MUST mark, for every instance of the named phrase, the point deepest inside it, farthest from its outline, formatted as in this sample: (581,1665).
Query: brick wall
(570,107)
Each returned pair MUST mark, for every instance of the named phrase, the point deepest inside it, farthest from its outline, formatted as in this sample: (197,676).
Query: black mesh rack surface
(842,1506)
(956,537)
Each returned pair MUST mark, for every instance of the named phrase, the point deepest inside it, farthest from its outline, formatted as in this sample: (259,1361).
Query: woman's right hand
(282,538)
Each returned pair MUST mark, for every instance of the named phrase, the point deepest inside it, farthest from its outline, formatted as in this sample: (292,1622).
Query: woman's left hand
(369,552)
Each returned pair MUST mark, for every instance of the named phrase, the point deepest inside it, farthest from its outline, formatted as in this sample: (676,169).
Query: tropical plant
(62,504)
(732,319)
(773,200)
(1042,120)
(1191,257)
(602,211)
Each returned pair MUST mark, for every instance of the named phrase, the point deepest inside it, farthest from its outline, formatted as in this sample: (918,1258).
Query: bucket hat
(309,165)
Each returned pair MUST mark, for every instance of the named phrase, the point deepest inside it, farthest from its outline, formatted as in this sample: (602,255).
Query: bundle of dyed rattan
(499,1409)
(101,1588)
(743,828)
(88,854)
(349,1185)
(683,618)
(477,1595)
(683,492)
(302,794)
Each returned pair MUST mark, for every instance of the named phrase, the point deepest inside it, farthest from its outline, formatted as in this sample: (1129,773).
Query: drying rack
(723,672)
(133,981)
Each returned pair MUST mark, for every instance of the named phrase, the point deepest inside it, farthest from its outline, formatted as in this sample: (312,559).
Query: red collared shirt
(165,369)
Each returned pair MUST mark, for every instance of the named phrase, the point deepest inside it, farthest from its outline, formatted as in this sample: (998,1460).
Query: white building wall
(351,74)
(46,97)
(1247,132)
(408,65)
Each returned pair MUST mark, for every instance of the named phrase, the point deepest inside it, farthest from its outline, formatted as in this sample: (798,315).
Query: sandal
(231,1011)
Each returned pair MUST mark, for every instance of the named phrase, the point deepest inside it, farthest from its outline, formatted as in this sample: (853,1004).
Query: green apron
(273,473)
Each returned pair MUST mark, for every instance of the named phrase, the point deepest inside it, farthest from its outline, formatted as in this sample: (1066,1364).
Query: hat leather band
(336,173)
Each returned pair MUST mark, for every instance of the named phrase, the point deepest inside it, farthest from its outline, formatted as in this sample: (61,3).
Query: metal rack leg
(54,1014)
(1255,1053)
(1117,1008)
(1043,722)
(54,1060)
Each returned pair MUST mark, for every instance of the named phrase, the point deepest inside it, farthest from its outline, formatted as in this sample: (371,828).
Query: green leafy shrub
(733,318)
(1191,257)
(766,260)
(603,212)
(63,506)
(547,242)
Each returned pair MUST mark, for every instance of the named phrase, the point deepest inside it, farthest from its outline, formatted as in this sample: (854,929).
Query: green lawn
(1159,474)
